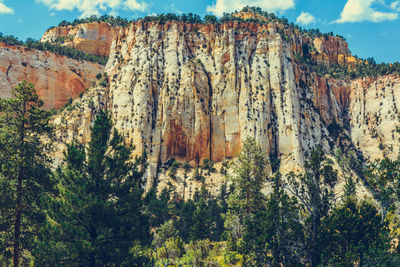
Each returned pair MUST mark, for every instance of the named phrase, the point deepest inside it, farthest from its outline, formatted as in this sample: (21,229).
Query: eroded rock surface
(57,78)
(91,38)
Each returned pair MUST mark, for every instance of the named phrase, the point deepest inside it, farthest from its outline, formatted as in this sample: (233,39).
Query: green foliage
(173,170)
(197,175)
(224,167)
(208,165)
(275,234)
(353,233)
(199,254)
(211,19)
(158,207)
(249,176)
(113,21)
(383,178)
(55,48)
(313,189)
(349,188)
(24,171)
(200,218)
(230,257)
(98,214)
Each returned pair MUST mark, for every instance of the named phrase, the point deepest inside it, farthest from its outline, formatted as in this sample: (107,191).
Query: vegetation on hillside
(92,210)
(362,68)
(54,48)
(113,21)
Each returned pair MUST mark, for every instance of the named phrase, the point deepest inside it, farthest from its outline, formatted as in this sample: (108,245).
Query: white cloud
(361,10)
(5,9)
(305,18)
(93,7)
(222,6)
(134,5)
(395,6)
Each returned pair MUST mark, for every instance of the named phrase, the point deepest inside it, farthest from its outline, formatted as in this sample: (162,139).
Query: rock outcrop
(57,78)
(194,92)
(374,116)
(91,38)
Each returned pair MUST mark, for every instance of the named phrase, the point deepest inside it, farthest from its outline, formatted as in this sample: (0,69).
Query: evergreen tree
(165,233)
(200,228)
(274,236)
(353,234)
(98,214)
(157,207)
(313,189)
(249,176)
(383,177)
(185,221)
(24,170)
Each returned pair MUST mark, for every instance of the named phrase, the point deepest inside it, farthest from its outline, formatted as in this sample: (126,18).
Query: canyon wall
(57,78)
(196,91)
(91,38)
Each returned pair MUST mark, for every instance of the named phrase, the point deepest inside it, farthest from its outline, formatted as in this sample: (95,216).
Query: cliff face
(91,38)
(56,78)
(332,50)
(374,116)
(192,92)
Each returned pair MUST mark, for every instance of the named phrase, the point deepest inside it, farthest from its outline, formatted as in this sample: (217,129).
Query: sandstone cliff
(57,78)
(91,38)
(194,92)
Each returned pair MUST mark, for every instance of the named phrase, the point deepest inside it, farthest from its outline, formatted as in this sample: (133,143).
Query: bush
(230,257)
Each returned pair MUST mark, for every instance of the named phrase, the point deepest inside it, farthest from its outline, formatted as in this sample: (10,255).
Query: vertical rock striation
(91,38)
(194,92)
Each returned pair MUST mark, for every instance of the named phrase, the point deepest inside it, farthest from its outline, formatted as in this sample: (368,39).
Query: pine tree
(98,214)
(24,169)
(313,189)
(275,235)
(200,228)
(353,234)
(249,176)
(383,177)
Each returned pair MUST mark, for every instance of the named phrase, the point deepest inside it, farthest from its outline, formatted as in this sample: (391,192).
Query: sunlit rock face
(57,78)
(91,38)
(194,92)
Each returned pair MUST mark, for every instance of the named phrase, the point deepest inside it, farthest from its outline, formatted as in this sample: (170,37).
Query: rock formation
(192,92)
(56,78)
(91,38)
(195,91)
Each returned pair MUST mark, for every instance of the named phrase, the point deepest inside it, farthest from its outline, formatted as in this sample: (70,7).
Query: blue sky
(372,27)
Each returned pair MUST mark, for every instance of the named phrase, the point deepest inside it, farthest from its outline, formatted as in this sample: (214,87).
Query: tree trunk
(92,259)
(18,208)
(17,224)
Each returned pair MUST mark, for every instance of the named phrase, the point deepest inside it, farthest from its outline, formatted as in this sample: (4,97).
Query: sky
(372,27)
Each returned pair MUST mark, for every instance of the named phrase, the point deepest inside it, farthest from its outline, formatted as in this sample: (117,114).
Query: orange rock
(57,78)
(92,38)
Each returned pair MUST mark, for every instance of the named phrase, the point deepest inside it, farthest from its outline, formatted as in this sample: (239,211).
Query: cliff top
(323,53)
